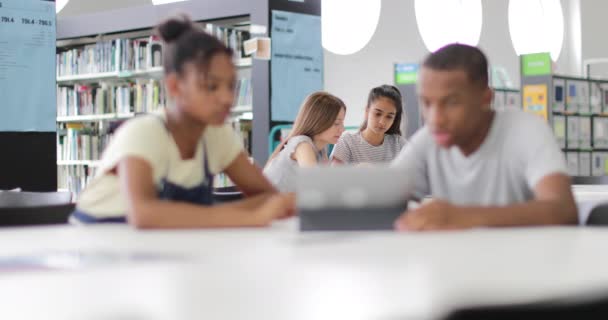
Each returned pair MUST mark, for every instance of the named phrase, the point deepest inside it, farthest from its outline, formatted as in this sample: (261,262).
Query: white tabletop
(280,273)
(588,197)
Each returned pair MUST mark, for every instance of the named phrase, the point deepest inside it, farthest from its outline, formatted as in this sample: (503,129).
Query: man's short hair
(460,56)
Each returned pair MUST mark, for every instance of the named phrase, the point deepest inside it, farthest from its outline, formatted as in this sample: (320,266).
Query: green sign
(406,73)
(536,64)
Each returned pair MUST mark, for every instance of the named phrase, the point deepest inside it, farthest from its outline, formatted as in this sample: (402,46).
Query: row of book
(110,56)
(243,92)
(133,54)
(81,142)
(581,132)
(585,163)
(139,96)
(243,127)
(231,38)
(74,178)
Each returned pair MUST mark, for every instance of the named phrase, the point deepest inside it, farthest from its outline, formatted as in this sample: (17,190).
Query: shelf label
(296,63)
(406,73)
(27,65)
(536,64)
(535,100)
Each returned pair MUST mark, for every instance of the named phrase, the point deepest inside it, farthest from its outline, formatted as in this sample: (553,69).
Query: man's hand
(434,215)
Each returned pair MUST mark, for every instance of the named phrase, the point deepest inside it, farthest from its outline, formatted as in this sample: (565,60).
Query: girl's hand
(276,207)
(291,200)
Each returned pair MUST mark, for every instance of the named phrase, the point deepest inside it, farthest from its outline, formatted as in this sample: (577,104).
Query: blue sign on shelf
(27,65)
(296,63)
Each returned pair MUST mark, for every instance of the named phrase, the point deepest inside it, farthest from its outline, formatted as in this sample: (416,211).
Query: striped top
(353,148)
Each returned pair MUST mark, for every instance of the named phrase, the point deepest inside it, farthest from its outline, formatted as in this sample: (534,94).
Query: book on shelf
(74,178)
(243,92)
(85,100)
(110,56)
(242,127)
(230,37)
(141,95)
(80,142)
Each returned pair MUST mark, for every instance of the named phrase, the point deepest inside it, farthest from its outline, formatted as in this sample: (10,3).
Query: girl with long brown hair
(320,122)
(379,139)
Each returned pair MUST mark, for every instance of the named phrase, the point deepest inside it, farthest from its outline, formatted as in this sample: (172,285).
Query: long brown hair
(393,94)
(317,114)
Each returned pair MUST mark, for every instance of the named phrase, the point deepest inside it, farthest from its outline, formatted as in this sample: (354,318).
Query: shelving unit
(88,163)
(155,72)
(138,21)
(95,117)
(89,102)
(577,110)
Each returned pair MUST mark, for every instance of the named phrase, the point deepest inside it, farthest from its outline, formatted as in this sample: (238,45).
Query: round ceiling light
(347,26)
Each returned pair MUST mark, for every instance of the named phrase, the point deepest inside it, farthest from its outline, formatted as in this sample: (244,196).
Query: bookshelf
(134,21)
(113,77)
(577,110)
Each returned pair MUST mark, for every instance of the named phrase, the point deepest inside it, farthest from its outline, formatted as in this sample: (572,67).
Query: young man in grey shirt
(481,167)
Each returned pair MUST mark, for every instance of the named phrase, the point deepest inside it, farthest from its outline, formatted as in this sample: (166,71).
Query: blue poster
(296,63)
(27,65)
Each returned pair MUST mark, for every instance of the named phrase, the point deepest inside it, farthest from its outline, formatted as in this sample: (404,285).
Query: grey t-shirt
(518,152)
(353,148)
(281,171)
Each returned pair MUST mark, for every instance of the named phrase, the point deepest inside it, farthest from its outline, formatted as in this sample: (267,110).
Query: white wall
(595,44)
(397,40)
(351,77)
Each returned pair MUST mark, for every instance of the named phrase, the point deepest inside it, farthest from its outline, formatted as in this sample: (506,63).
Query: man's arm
(553,204)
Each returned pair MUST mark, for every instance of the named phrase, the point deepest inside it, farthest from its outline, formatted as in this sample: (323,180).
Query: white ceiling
(76,7)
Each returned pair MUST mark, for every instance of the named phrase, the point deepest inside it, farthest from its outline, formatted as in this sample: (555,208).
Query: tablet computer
(351,197)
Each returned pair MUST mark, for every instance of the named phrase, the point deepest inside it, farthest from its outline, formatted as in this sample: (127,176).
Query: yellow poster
(535,99)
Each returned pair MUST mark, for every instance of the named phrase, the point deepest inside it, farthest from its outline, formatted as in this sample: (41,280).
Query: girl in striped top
(379,138)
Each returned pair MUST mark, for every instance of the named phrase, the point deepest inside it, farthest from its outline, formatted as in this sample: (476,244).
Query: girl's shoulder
(151,126)
(219,132)
(296,140)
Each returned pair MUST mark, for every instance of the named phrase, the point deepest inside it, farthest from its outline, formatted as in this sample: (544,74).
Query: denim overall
(201,194)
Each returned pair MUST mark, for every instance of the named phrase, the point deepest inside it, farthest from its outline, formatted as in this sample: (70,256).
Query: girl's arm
(336,162)
(305,155)
(145,210)
(248,177)
(251,181)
